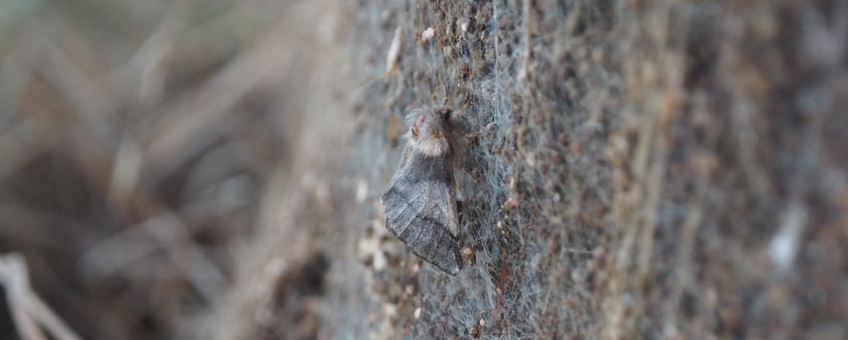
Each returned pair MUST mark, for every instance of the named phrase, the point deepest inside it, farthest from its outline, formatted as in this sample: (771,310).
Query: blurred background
(138,142)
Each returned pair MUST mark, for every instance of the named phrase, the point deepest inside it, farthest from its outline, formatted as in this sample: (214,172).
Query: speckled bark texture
(626,170)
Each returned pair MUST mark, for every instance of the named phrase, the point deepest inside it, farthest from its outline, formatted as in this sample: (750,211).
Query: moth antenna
(460,111)
(456,91)
(444,94)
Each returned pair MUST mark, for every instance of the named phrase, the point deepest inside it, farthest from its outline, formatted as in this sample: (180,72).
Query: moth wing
(420,210)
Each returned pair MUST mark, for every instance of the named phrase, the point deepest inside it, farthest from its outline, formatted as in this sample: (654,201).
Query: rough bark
(644,169)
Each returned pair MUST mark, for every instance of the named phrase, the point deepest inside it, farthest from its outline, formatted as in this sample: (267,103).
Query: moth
(420,202)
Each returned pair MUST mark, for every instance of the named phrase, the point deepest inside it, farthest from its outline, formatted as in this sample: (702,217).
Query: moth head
(418,124)
(428,129)
(429,123)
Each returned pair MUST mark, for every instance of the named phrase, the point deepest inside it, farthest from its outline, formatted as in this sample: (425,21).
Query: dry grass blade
(20,145)
(26,306)
(195,114)
(172,233)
